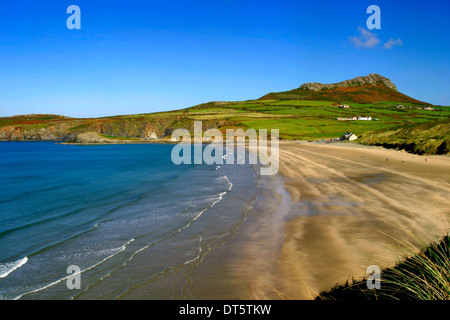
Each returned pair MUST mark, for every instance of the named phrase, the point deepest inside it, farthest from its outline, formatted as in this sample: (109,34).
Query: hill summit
(364,89)
(371,79)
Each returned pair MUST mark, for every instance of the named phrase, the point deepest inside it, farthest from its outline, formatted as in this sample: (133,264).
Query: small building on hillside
(349,137)
(344,106)
(369,118)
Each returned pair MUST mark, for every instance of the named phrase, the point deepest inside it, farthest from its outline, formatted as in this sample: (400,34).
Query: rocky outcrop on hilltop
(372,78)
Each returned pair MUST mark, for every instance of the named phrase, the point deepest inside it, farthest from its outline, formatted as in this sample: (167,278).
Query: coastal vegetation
(419,138)
(423,276)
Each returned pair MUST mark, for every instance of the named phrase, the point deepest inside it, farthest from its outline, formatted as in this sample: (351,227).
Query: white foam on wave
(120,249)
(199,251)
(230,185)
(217,197)
(7,268)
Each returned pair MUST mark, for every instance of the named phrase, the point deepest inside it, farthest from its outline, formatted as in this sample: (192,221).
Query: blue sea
(134,223)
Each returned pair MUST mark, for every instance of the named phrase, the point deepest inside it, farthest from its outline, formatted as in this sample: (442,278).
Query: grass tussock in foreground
(424,276)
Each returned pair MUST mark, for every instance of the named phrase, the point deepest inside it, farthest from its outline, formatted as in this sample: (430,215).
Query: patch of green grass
(304,103)
(214,110)
(117,137)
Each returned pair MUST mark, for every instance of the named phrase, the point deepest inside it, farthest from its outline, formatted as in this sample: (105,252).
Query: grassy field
(311,119)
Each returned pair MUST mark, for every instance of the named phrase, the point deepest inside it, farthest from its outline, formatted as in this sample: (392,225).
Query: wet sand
(354,205)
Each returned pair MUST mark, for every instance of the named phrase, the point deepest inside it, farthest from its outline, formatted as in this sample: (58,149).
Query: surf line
(213,152)
(122,248)
(7,268)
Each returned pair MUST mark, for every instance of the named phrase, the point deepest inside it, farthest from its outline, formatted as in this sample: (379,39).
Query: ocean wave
(196,215)
(91,204)
(39,222)
(230,185)
(7,268)
(200,238)
(115,250)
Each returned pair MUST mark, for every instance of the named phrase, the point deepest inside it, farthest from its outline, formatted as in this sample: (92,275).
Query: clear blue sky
(146,56)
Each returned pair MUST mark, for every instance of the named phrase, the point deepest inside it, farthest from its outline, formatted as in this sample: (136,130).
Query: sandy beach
(354,207)
(332,211)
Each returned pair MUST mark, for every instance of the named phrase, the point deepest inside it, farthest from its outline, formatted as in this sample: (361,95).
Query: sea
(113,221)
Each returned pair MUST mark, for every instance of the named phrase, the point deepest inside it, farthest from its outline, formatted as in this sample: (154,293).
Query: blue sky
(147,56)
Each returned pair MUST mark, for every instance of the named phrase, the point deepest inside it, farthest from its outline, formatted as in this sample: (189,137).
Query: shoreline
(107,141)
(352,204)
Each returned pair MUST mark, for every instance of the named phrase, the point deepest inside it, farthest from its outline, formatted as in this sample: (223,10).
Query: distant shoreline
(167,141)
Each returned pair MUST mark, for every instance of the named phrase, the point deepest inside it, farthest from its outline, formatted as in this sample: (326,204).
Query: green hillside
(422,138)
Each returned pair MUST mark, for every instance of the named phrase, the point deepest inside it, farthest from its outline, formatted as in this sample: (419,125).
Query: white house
(349,136)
